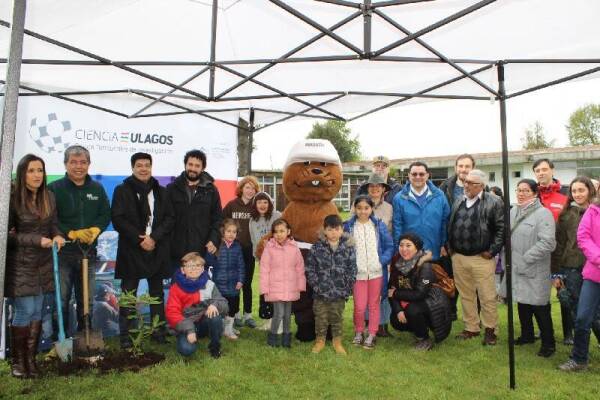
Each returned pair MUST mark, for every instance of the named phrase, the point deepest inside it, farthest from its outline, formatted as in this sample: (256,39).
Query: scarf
(142,189)
(524,211)
(190,285)
(406,266)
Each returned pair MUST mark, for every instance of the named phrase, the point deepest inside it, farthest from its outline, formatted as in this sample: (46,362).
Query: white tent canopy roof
(139,50)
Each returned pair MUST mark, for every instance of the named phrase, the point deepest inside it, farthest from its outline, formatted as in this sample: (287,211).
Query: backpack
(444,281)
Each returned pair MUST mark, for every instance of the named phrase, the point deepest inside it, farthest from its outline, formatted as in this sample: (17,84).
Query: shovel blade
(64,350)
(92,343)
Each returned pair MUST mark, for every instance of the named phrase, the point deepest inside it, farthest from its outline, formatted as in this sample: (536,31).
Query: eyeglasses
(415,174)
(473,183)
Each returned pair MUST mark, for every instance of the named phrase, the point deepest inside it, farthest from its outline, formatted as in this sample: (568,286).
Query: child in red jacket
(281,279)
(195,307)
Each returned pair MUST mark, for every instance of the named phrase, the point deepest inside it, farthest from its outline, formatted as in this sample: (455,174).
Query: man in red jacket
(549,187)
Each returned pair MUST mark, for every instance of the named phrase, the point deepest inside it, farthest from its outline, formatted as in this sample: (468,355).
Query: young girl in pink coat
(281,279)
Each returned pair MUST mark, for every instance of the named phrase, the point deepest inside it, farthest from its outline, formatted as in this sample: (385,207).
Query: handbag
(444,281)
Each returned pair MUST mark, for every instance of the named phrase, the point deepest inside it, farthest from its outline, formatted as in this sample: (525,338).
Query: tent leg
(507,242)
(9,125)
(251,129)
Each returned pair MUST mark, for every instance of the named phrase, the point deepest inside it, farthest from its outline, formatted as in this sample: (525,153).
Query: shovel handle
(86,293)
(61,327)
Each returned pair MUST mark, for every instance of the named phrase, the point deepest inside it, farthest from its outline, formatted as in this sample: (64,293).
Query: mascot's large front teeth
(315,183)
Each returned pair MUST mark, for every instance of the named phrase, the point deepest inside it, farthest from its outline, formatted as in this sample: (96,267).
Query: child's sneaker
(238,322)
(250,322)
(572,365)
(358,339)
(369,342)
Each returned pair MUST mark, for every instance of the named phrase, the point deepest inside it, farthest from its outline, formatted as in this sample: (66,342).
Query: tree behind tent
(339,135)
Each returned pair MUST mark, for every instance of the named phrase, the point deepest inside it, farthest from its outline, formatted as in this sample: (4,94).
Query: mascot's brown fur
(310,187)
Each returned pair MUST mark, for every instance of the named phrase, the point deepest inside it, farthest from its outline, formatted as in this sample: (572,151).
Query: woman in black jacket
(143,215)
(33,228)
(417,305)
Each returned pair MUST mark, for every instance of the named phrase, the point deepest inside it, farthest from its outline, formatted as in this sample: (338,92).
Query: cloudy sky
(442,127)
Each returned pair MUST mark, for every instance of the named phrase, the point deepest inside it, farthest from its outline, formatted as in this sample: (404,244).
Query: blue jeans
(71,280)
(211,327)
(384,313)
(27,309)
(589,300)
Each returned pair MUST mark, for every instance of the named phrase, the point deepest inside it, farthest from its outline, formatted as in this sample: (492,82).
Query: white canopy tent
(272,60)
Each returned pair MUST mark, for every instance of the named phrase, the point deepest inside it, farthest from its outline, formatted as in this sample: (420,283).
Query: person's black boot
(35,330)
(273,339)
(18,344)
(286,340)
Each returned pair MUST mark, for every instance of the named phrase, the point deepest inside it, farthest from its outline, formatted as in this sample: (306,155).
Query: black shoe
(286,340)
(273,340)
(546,352)
(521,341)
(215,353)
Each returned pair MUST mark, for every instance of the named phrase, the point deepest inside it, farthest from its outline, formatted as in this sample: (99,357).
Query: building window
(492,176)
(516,174)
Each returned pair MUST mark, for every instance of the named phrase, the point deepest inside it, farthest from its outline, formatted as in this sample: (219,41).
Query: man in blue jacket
(421,208)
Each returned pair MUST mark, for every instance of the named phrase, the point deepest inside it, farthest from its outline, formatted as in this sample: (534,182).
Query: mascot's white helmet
(313,150)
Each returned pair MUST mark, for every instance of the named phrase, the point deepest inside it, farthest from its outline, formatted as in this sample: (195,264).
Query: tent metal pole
(316,25)
(162,96)
(302,112)
(9,127)
(435,52)
(306,103)
(429,89)
(367,16)
(396,3)
(106,61)
(250,139)
(434,26)
(426,96)
(77,93)
(430,59)
(555,82)
(341,3)
(289,53)
(213,50)
(507,233)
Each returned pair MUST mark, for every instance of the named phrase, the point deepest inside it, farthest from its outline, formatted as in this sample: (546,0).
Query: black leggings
(234,305)
(417,320)
(247,288)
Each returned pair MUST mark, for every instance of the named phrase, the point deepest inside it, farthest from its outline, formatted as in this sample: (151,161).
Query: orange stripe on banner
(226,190)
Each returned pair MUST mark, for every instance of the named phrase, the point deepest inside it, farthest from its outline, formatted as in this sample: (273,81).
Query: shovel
(91,340)
(64,347)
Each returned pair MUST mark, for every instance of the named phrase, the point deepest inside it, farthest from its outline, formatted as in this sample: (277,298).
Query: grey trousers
(282,311)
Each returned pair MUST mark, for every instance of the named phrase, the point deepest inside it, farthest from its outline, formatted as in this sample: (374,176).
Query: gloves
(95,232)
(86,236)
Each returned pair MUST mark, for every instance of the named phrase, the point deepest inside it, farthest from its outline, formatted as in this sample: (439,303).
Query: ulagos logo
(93,135)
(48,133)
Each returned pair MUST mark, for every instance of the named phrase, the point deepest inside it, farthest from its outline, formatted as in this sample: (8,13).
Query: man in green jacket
(83,213)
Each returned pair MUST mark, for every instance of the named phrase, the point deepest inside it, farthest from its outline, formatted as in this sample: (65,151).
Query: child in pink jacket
(281,279)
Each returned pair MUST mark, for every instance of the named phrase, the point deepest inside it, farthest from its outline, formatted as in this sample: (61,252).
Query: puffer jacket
(567,254)
(418,286)
(428,221)
(28,265)
(491,222)
(588,239)
(552,198)
(282,271)
(385,246)
(228,268)
(332,273)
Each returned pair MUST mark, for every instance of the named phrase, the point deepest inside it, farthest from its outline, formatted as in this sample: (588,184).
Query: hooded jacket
(331,273)
(552,198)
(282,271)
(417,286)
(588,239)
(428,221)
(197,218)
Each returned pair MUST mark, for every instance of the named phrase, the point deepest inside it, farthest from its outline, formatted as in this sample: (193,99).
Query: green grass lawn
(250,369)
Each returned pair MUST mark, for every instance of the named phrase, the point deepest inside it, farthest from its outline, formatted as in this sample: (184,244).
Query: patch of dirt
(111,361)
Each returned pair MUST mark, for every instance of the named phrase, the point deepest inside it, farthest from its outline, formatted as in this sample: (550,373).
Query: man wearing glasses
(421,208)
(475,236)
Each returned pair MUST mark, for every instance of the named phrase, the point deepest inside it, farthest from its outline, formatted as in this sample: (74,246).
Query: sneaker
(369,342)
(572,366)
(490,338)
(466,335)
(358,339)
(568,341)
(250,323)
(546,351)
(423,344)
(238,322)
(215,353)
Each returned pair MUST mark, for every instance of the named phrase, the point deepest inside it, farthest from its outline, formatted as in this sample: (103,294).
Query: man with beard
(197,205)
(454,187)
